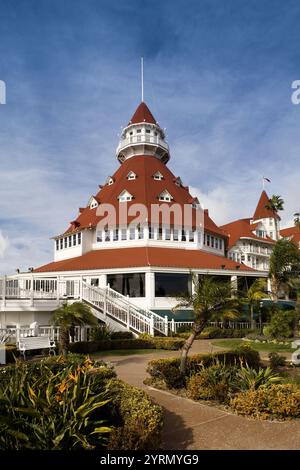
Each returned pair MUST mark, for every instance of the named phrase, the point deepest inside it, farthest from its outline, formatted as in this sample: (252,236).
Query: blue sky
(218,76)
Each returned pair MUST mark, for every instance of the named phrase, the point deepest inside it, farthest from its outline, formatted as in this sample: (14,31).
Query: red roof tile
(291,232)
(145,190)
(242,228)
(261,212)
(142,257)
(142,114)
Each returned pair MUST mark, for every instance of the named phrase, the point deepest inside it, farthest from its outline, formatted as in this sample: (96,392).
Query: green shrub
(212,383)
(243,354)
(42,408)
(277,401)
(11,353)
(169,343)
(251,379)
(121,335)
(281,324)
(276,360)
(88,347)
(172,377)
(141,419)
(212,332)
(101,332)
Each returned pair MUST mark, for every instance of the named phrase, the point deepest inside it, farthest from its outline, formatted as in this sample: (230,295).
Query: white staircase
(110,305)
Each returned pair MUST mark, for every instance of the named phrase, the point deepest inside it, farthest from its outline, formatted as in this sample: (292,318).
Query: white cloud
(4,244)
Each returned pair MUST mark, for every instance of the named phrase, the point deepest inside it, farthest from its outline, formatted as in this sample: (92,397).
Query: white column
(31,291)
(269,286)
(146,232)
(128,313)
(166,325)
(234,283)
(150,289)
(3,291)
(102,280)
(58,289)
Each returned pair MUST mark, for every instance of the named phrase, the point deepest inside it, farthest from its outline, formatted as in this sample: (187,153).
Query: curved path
(191,425)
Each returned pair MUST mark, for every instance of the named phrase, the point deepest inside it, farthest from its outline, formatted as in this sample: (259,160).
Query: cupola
(143,136)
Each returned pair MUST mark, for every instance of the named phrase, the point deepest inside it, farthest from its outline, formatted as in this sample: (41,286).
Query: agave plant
(251,379)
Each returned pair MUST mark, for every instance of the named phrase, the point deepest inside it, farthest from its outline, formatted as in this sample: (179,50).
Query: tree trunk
(297,317)
(252,316)
(274,289)
(64,339)
(197,328)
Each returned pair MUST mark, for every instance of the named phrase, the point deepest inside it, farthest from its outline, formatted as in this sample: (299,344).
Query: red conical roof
(145,190)
(142,114)
(261,212)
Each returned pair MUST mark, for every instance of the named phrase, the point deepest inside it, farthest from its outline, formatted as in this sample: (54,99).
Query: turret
(143,136)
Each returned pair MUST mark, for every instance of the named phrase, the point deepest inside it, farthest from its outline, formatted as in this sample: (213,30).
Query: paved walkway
(191,425)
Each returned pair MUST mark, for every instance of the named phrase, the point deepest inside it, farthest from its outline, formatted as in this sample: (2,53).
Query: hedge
(157,367)
(141,419)
(88,347)
(277,401)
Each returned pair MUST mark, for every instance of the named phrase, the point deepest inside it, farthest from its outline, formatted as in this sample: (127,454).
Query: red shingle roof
(242,228)
(291,232)
(142,257)
(142,114)
(261,212)
(145,191)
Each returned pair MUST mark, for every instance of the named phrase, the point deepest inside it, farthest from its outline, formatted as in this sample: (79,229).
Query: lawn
(125,352)
(268,347)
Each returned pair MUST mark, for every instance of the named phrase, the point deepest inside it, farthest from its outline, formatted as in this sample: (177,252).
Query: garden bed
(74,403)
(234,380)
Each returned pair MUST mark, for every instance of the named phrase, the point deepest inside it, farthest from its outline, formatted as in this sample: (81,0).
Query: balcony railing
(143,139)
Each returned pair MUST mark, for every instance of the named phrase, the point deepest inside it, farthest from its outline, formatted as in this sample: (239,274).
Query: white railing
(142,138)
(119,307)
(174,326)
(81,333)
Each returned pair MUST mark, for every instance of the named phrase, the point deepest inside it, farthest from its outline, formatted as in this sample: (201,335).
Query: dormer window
(125,196)
(93,203)
(195,203)
(131,176)
(158,176)
(110,181)
(165,196)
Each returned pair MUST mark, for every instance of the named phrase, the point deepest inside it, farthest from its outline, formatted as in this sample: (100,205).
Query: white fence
(175,326)
(11,335)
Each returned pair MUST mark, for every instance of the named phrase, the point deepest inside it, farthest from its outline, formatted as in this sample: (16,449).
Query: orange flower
(62,387)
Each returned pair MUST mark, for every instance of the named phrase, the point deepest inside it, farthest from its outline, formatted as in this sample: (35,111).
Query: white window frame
(131,176)
(165,196)
(125,196)
(157,176)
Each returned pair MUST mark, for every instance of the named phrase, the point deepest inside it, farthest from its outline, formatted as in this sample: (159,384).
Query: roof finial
(142,77)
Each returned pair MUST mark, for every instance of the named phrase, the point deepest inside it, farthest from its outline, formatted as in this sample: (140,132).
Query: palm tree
(275,204)
(211,299)
(255,293)
(294,283)
(297,220)
(69,315)
(284,260)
